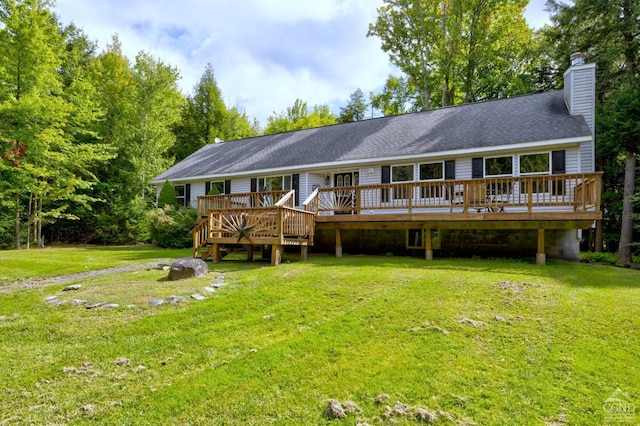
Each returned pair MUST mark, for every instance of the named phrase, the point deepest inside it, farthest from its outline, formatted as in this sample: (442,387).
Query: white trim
(547,172)
(372,161)
(484,165)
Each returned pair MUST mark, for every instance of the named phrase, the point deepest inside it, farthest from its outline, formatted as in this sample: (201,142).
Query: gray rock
(96,305)
(334,410)
(50,298)
(72,287)
(155,302)
(188,268)
(209,289)
(78,301)
(198,296)
(56,302)
(177,299)
(109,306)
(425,415)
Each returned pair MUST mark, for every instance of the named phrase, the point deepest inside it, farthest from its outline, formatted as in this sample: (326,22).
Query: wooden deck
(569,201)
(251,219)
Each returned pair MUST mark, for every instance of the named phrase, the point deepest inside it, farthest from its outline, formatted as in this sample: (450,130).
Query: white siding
(197,190)
(463,168)
(580,92)
(240,185)
(371,175)
(587,157)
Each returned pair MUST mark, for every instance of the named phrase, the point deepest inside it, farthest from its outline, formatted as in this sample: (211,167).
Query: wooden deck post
(276,251)
(215,256)
(338,243)
(304,251)
(429,248)
(541,257)
(250,253)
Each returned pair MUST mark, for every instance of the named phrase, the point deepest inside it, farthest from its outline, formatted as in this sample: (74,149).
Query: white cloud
(265,53)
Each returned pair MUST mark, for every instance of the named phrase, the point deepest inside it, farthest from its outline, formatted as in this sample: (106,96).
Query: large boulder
(187,268)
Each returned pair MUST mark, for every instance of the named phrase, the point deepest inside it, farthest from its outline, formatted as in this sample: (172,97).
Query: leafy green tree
(455,51)
(397,97)
(156,108)
(298,117)
(43,119)
(356,109)
(608,31)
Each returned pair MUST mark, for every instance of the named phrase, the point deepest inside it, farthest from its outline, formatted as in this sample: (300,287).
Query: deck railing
(272,223)
(240,200)
(579,192)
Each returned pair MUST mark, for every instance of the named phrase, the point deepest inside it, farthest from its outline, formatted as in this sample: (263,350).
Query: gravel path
(64,279)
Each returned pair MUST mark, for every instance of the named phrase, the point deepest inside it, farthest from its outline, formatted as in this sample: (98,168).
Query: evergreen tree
(356,109)
(167,196)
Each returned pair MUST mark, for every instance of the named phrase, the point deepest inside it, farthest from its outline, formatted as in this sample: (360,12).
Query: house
(514,176)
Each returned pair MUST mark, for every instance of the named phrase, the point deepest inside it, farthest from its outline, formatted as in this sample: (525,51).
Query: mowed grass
(487,342)
(56,261)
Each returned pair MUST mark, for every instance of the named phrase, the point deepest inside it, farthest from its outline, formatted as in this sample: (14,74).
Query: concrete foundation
(559,244)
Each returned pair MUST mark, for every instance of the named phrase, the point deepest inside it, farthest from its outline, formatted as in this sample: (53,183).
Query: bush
(168,196)
(170,226)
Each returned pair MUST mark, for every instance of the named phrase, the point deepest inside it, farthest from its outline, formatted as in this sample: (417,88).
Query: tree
(455,51)
(46,161)
(620,122)
(298,117)
(609,31)
(167,196)
(355,110)
(397,97)
(204,119)
(156,108)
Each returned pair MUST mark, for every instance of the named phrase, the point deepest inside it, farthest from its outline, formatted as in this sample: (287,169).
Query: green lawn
(478,341)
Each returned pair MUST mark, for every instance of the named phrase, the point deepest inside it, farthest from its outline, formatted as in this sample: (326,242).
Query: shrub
(168,196)
(170,226)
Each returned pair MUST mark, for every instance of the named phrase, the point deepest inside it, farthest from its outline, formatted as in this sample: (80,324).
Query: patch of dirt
(64,279)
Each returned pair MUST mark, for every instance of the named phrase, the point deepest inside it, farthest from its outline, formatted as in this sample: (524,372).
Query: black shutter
(227,187)
(187,195)
(449,174)
(207,188)
(254,188)
(477,169)
(558,167)
(386,178)
(295,185)
(450,169)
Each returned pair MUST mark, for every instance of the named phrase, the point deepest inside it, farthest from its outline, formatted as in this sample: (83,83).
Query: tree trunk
(599,246)
(16,223)
(626,232)
(29,220)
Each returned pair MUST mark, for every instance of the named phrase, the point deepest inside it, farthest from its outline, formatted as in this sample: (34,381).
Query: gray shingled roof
(529,118)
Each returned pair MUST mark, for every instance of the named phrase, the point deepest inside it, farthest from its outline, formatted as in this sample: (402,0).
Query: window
(274,183)
(181,194)
(534,164)
(498,166)
(431,171)
(401,174)
(216,188)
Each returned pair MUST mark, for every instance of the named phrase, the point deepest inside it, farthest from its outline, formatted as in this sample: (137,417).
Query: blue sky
(265,53)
